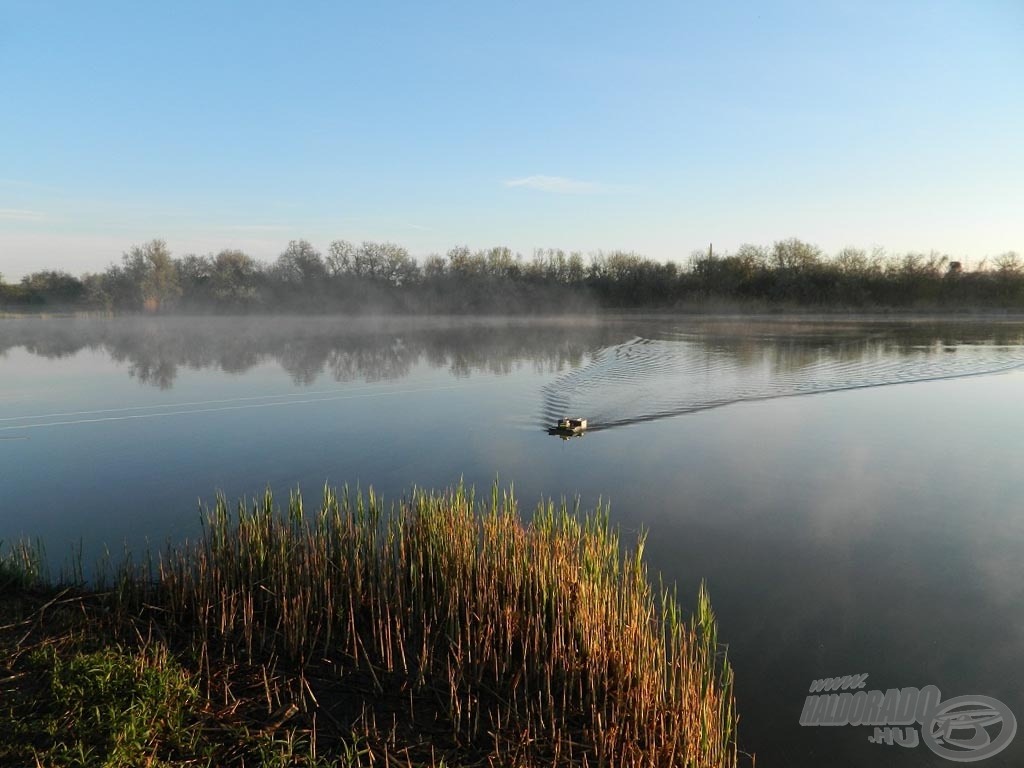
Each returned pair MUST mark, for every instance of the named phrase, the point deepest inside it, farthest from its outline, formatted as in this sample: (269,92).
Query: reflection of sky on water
(874,531)
(877,530)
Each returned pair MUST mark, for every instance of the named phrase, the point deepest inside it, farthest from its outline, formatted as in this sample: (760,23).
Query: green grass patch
(113,708)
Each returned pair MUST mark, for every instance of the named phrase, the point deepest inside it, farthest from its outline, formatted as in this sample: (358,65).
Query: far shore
(780,314)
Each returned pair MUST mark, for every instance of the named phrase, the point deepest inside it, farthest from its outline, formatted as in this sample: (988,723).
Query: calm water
(851,492)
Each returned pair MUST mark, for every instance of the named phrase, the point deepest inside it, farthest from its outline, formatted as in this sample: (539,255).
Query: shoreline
(444,631)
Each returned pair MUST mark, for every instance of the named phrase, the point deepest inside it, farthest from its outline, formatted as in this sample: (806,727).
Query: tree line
(384,277)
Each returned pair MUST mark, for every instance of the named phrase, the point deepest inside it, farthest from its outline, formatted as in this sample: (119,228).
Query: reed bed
(443,629)
(440,631)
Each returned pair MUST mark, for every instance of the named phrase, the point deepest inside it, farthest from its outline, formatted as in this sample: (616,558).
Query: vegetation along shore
(384,277)
(441,630)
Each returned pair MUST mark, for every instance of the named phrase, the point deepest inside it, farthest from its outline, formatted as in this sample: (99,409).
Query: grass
(439,631)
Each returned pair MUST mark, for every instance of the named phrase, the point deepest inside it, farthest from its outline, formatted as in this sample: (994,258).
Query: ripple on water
(644,379)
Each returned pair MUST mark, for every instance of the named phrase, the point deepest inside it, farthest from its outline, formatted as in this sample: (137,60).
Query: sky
(656,127)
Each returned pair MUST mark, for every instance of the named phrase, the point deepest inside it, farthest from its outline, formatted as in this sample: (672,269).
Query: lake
(851,491)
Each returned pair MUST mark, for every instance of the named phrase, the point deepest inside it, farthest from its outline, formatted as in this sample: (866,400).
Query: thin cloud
(252,228)
(20,214)
(29,184)
(561,185)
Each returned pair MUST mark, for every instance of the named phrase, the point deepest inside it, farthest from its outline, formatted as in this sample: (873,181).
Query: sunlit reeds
(533,642)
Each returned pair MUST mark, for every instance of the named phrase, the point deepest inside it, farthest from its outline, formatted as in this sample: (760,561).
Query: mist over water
(871,528)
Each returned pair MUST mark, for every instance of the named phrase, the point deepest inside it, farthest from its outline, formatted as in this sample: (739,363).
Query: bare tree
(151,275)
(300,264)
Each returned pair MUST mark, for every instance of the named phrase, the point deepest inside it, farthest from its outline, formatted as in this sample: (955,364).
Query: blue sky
(656,127)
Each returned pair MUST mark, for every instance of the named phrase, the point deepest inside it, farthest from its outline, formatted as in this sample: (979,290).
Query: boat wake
(649,379)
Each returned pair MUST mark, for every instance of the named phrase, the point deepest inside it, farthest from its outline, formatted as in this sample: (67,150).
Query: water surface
(850,491)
